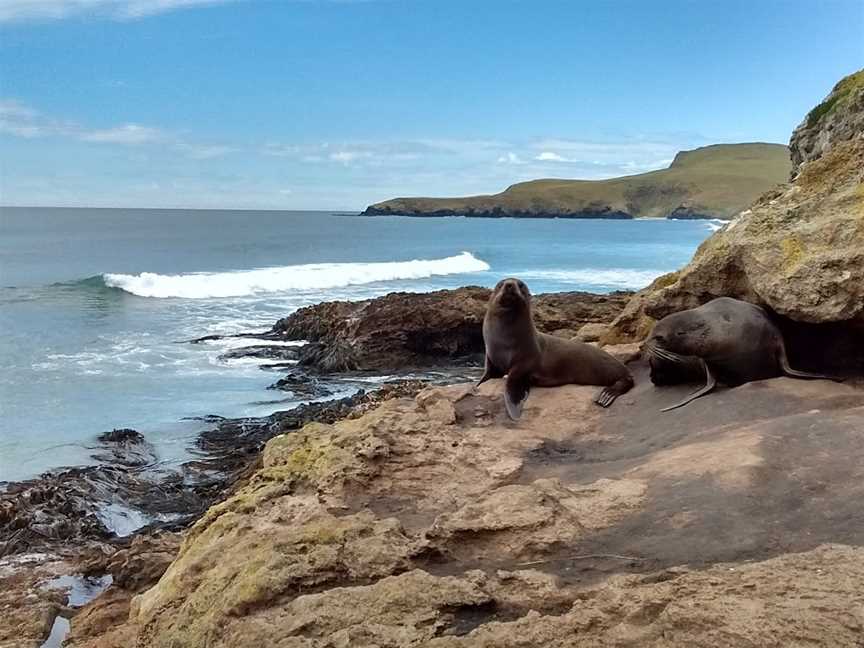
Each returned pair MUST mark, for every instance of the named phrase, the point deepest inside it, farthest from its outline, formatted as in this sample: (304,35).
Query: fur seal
(725,340)
(514,348)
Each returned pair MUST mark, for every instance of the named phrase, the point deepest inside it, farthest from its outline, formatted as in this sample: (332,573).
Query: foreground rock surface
(436,521)
(404,330)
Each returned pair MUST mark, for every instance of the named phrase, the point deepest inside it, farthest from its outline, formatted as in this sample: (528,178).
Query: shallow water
(96,306)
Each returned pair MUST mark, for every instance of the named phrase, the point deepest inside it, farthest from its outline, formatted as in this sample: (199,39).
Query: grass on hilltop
(714,181)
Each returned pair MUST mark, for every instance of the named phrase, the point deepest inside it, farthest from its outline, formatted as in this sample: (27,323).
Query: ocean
(97,305)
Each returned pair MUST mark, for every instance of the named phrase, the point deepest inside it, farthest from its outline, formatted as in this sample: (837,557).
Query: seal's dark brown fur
(514,348)
(734,342)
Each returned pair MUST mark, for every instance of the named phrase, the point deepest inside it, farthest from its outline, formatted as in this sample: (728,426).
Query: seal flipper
(710,384)
(795,373)
(608,394)
(516,390)
(490,371)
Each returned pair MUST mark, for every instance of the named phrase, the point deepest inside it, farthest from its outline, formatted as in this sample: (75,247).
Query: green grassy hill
(710,182)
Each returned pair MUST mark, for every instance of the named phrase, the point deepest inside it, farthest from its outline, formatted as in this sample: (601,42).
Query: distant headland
(715,181)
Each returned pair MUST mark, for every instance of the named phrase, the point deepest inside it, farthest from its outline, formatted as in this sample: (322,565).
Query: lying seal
(514,348)
(725,340)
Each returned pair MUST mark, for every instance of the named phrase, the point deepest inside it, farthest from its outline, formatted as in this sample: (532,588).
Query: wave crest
(315,276)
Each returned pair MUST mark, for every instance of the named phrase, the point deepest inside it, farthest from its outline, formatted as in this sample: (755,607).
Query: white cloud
(510,158)
(22,121)
(24,10)
(125,134)
(203,151)
(549,156)
(347,157)
(280,150)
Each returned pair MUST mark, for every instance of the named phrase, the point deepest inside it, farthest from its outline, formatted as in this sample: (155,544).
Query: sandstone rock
(839,118)
(624,352)
(709,526)
(592,332)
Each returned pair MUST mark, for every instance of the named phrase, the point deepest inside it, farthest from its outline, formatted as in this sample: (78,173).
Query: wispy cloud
(285,173)
(36,10)
(125,134)
(20,120)
(510,158)
(347,157)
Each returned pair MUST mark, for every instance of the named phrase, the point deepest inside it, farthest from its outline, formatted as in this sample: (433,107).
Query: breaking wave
(315,276)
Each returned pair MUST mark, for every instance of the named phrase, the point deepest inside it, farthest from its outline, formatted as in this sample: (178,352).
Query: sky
(337,104)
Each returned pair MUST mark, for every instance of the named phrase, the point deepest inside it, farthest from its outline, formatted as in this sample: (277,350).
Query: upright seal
(734,343)
(514,348)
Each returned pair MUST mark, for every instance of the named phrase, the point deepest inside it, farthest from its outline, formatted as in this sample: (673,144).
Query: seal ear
(516,390)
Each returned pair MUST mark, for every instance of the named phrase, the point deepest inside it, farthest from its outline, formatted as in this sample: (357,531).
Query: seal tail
(608,394)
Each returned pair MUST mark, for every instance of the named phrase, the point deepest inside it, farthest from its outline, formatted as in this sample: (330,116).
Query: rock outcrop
(437,521)
(402,331)
(799,249)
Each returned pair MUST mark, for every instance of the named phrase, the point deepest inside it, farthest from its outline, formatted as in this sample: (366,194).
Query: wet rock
(403,330)
(124,447)
(301,385)
(263,352)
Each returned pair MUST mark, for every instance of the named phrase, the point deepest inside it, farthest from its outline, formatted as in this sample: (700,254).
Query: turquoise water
(95,304)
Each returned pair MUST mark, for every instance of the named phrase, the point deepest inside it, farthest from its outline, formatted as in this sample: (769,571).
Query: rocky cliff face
(798,250)
(839,118)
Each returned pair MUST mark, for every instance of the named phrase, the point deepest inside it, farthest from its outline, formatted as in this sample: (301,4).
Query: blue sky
(337,104)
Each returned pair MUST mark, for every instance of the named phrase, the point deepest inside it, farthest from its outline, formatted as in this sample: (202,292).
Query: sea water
(97,305)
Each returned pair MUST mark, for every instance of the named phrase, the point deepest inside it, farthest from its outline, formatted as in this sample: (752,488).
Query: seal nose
(510,287)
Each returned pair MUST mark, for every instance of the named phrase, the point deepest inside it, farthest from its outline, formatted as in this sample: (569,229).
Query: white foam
(597,277)
(316,276)
(716,224)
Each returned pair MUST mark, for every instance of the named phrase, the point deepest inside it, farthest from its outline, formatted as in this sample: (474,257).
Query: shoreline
(85,525)
(448,213)
(129,491)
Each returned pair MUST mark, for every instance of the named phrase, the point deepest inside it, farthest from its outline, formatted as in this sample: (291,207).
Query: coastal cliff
(798,250)
(426,517)
(710,182)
